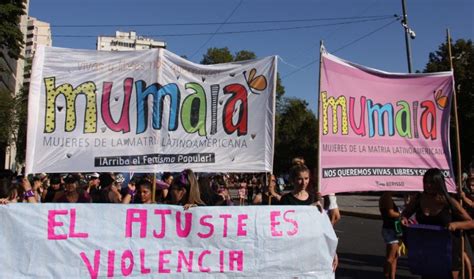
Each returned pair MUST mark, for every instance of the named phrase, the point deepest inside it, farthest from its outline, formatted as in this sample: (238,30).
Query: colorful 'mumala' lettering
(192,111)
(402,119)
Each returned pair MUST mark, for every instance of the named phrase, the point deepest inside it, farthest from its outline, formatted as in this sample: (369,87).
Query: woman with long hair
(185,190)
(436,207)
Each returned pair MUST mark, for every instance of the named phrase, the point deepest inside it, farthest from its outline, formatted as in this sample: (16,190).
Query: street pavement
(362,205)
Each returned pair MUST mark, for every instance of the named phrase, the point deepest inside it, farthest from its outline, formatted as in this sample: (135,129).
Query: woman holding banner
(302,195)
(436,207)
(185,190)
(299,177)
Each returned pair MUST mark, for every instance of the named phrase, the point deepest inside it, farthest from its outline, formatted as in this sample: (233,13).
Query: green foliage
(280,91)
(10,34)
(244,55)
(7,117)
(463,63)
(21,112)
(217,55)
(296,135)
(13,121)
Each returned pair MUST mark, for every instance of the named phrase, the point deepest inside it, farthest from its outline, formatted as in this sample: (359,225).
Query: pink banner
(381,131)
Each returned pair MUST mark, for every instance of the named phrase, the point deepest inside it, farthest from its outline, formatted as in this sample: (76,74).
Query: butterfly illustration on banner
(258,83)
(441,100)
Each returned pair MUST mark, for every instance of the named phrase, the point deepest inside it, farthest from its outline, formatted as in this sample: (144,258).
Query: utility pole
(408,34)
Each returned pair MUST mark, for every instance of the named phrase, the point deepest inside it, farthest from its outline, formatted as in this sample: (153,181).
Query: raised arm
(29,195)
(130,193)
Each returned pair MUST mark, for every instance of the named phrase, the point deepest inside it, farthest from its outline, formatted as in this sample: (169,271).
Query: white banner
(99,240)
(148,111)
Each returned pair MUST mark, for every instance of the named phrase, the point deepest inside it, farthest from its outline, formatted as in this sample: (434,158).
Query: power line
(331,32)
(214,23)
(217,30)
(344,46)
(238,32)
(366,35)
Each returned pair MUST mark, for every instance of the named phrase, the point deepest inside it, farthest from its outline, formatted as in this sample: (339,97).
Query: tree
(21,121)
(217,55)
(12,37)
(296,135)
(7,117)
(244,55)
(463,63)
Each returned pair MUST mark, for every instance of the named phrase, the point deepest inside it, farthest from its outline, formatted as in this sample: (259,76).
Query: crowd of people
(185,188)
(433,206)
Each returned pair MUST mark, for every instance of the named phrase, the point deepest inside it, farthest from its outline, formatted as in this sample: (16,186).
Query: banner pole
(456,119)
(318,159)
(153,190)
(458,145)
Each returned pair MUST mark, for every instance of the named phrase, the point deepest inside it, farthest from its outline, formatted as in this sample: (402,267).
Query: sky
(362,31)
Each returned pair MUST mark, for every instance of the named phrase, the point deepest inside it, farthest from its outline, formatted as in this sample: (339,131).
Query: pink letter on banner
(52,223)
(225,217)
(162,261)
(111,263)
(236,257)
(163,213)
(369,123)
(188,217)
(72,226)
(127,270)
(143,268)
(132,217)
(293,222)
(188,262)
(203,222)
(241,225)
(201,260)
(274,223)
(93,270)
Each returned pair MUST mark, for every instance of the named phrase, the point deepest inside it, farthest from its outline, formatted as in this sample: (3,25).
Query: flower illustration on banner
(254,82)
(441,100)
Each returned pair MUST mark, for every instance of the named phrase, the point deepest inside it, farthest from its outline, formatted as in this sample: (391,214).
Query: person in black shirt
(299,177)
(54,189)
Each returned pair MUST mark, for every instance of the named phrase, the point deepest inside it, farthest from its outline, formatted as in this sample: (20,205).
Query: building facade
(37,33)
(124,41)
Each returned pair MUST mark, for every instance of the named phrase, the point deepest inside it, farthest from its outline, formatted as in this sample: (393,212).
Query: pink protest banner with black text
(153,241)
(148,110)
(381,131)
